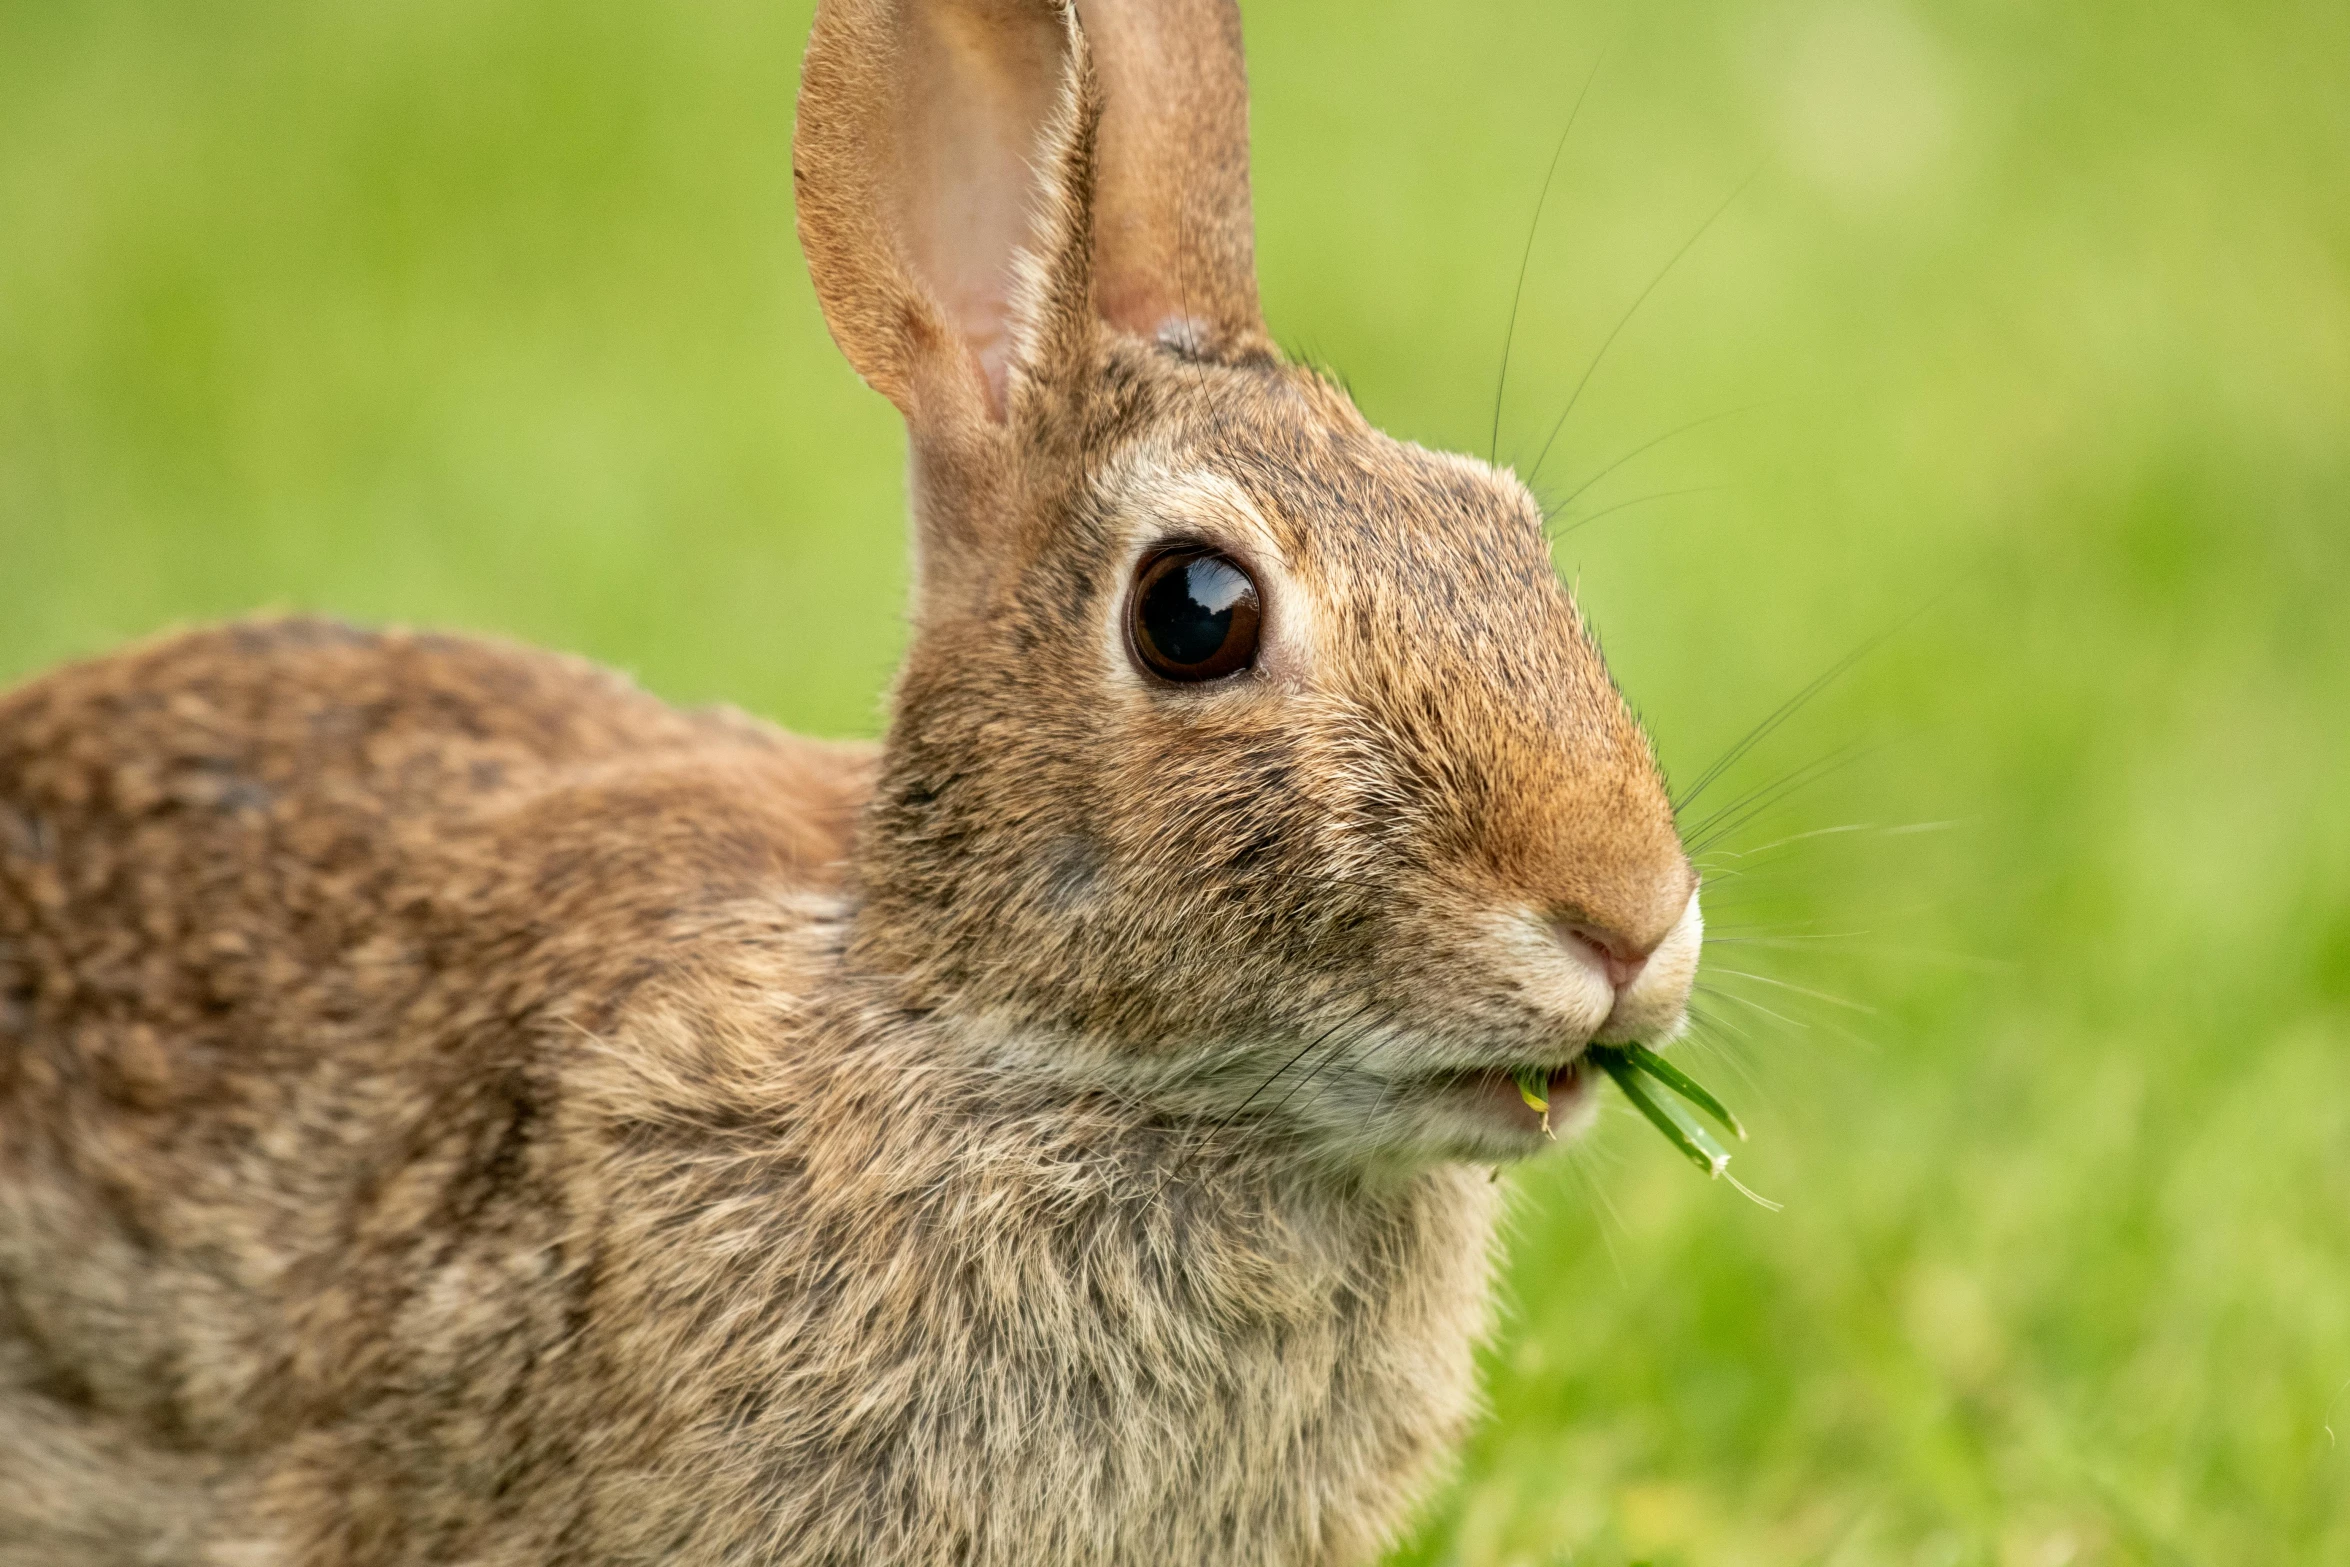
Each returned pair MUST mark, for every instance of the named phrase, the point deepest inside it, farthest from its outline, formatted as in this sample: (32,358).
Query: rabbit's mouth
(1504,1097)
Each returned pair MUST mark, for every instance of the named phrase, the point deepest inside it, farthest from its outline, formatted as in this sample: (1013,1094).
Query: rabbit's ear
(937,142)
(1175,245)
(940,141)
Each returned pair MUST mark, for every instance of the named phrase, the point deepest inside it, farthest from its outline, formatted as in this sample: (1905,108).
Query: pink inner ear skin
(991,352)
(975,99)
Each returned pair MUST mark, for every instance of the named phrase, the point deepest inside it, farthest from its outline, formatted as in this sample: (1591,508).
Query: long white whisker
(1801,990)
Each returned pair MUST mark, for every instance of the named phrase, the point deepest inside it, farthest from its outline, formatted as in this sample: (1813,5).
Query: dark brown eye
(1193,615)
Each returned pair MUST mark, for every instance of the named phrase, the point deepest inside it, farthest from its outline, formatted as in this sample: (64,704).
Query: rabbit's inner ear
(927,130)
(979,90)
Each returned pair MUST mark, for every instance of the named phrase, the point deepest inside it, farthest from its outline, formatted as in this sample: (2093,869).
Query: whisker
(1586,1158)
(1796,703)
(1966,960)
(1509,335)
(1730,1049)
(1278,1071)
(1751,805)
(1753,1005)
(1331,1058)
(1779,715)
(1625,319)
(1816,995)
(1653,441)
(1771,928)
(1587,520)
(1800,1025)
(1795,838)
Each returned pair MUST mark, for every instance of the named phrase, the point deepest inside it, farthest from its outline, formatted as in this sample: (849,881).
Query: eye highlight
(1193,615)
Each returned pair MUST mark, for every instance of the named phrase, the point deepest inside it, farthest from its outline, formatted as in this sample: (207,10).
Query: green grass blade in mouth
(1631,1065)
(1680,1082)
(1534,1087)
(1683,1130)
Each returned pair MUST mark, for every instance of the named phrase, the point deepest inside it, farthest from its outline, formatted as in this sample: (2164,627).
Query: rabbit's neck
(1057,1330)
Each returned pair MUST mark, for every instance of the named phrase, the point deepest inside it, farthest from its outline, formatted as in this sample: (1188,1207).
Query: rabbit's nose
(1615,957)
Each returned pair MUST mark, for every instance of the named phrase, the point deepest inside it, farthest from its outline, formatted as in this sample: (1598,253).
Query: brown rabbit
(457,1109)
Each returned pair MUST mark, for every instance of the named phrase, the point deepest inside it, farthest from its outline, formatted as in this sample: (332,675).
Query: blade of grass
(1680,1082)
(1681,1129)
(1534,1087)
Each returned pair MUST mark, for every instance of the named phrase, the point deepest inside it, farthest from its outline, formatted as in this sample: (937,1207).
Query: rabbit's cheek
(1548,977)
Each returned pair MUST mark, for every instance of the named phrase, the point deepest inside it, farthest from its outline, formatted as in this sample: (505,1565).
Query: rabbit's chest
(1081,1351)
(1112,1399)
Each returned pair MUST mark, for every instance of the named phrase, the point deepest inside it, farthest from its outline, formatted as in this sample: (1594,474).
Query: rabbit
(456,1108)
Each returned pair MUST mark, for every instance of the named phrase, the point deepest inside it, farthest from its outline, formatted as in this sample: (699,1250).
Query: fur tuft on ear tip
(1186,336)
(1200,341)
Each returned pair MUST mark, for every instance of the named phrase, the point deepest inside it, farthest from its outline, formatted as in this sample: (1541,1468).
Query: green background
(488,313)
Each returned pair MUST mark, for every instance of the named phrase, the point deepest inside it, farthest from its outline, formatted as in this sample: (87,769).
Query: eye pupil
(1194,615)
(1188,609)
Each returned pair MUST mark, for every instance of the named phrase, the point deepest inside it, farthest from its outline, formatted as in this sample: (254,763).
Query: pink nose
(1618,959)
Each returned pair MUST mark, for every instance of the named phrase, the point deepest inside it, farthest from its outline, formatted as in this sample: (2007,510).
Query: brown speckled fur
(455,1108)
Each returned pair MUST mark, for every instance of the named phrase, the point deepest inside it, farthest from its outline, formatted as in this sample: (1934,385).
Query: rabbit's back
(287,914)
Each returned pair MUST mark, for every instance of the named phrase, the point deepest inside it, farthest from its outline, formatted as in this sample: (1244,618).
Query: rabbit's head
(1246,760)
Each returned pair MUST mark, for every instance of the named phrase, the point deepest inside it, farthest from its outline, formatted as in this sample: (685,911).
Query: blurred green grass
(490,314)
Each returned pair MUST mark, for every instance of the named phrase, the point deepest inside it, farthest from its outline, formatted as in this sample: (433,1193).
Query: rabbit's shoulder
(246,832)
(244,714)
(220,819)
(310,744)
(297,924)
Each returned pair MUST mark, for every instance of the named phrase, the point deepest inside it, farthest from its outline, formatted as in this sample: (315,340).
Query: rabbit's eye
(1193,615)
